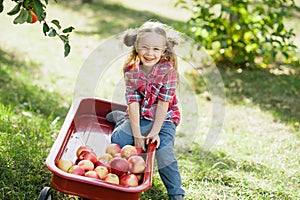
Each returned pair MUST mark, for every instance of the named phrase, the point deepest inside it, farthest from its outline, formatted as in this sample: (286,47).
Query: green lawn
(256,156)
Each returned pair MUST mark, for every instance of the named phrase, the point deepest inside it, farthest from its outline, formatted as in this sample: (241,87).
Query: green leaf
(1,6)
(68,30)
(22,17)
(280,28)
(64,38)
(67,49)
(29,18)
(45,28)
(15,9)
(38,8)
(56,23)
(52,33)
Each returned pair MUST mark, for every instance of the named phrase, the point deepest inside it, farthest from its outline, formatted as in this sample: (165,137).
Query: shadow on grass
(276,93)
(112,18)
(17,88)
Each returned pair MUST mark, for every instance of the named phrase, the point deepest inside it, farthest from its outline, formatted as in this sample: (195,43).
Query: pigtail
(129,40)
(130,37)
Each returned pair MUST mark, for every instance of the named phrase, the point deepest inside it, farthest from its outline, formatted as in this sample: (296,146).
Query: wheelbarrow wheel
(45,194)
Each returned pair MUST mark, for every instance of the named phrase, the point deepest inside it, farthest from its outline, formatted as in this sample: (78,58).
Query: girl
(152,114)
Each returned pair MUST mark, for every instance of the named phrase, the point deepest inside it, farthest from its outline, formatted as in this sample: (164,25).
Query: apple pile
(124,166)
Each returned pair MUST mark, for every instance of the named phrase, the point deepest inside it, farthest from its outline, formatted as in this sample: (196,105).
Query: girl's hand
(152,138)
(140,142)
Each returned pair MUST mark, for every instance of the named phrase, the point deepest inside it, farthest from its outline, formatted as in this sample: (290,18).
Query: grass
(256,156)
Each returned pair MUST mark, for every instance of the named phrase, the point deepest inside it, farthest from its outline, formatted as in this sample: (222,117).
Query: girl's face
(150,48)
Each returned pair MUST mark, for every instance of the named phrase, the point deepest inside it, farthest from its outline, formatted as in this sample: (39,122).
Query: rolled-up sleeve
(167,91)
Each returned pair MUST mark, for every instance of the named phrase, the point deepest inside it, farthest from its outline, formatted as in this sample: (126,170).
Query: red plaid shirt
(159,85)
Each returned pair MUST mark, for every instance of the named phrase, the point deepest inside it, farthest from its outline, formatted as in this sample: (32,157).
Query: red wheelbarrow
(85,124)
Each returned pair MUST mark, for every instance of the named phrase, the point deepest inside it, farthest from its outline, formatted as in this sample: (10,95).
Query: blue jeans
(165,157)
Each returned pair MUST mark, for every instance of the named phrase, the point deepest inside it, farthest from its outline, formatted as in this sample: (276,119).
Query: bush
(244,32)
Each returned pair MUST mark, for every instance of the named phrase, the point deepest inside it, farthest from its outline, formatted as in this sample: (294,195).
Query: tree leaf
(45,28)
(38,8)
(56,23)
(280,28)
(64,38)
(52,33)
(29,18)
(22,17)
(68,30)
(67,49)
(15,9)
(1,6)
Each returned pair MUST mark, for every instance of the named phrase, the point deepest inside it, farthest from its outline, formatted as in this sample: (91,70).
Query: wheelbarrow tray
(88,114)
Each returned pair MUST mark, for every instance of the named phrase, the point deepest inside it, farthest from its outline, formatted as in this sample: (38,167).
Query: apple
(136,164)
(129,180)
(86,165)
(102,171)
(64,164)
(112,178)
(75,169)
(104,163)
(113,148)
(105,156)
(119,166)
(128,150)
(88,155)
(92,174)
(83,148)
(33,16)
(91,156)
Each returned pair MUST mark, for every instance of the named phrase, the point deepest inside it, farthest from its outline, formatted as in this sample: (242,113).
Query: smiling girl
(152,115)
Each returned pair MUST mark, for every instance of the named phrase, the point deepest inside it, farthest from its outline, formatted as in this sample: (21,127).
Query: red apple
(64,164)
(128,150)
(75,169)
(129,180)
(83,148)
(112,178)
(136,164)
(101,171)
(86,165)
(119,166)
(88,155)
(91,174)
(113,148)
(105,156)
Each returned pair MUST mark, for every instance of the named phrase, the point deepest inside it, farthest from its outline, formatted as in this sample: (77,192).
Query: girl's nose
(150,51)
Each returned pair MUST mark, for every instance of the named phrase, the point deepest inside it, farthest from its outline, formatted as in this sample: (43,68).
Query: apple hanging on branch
(31,11)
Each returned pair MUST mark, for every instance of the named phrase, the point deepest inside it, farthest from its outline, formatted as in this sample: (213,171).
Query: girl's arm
(161,111)
(134,116)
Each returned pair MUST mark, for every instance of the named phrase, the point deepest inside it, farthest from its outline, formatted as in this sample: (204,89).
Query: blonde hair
(171,37)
